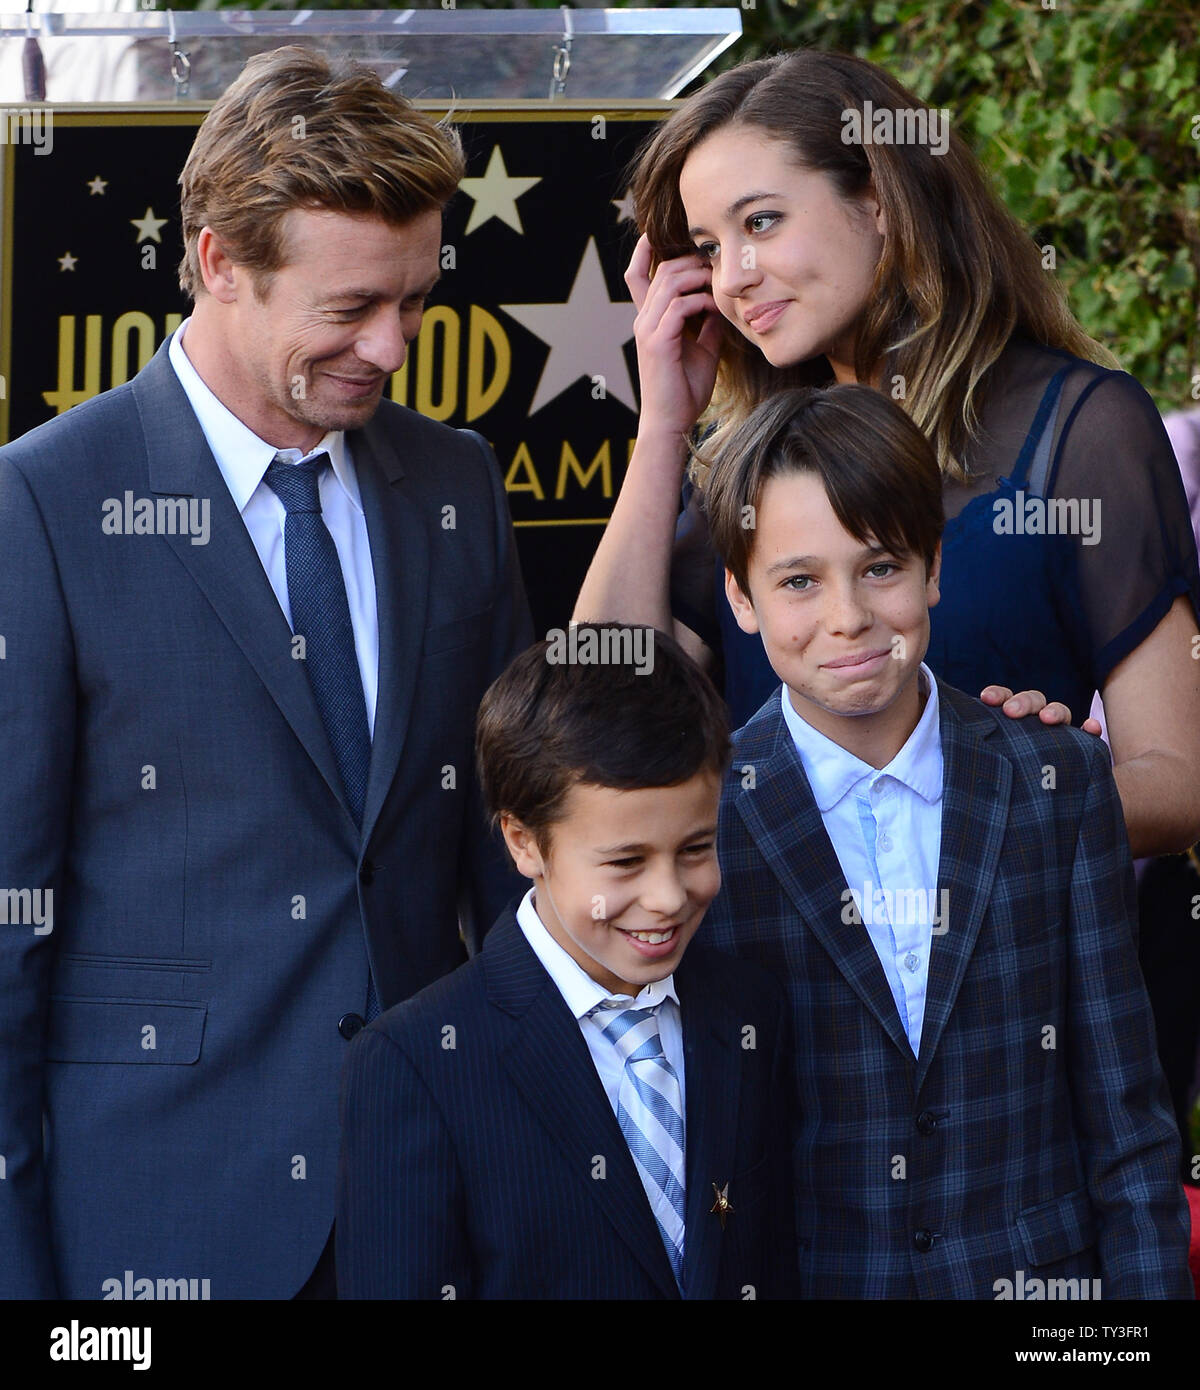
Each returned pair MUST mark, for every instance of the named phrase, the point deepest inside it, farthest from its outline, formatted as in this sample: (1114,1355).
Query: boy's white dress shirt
(581,994)
(886,829)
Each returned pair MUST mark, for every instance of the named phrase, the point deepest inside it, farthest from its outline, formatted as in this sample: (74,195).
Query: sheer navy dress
(1054,613)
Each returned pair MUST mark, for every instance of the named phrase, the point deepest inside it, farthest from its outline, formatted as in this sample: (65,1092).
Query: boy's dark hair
(879,471)
(546,724)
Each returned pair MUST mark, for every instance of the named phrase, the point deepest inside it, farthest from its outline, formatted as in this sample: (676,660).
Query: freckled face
(793,262)
(628,877)
(315,353)
(845,625)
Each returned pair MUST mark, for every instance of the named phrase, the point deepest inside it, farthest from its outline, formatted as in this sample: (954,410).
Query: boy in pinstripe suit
(947,896)
(581,1112)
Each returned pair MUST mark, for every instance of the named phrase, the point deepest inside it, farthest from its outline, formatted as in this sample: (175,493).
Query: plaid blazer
(1033,1132)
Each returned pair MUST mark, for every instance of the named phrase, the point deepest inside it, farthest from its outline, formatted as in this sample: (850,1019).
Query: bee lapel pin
(722,1205)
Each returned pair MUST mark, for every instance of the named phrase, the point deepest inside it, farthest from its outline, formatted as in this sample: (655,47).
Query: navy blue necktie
(321,615)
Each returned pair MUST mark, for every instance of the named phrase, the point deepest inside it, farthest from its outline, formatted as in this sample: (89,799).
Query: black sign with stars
(528,337)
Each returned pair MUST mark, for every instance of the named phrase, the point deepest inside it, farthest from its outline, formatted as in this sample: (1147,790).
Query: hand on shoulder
(1027,702)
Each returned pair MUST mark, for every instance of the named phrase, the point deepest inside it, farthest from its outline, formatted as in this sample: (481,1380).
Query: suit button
(349,1024)
(366,875)
(923,1240)
(926,1122)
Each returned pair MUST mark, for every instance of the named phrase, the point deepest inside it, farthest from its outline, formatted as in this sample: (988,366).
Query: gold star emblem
(721,1206)
(148,226)
(496,194)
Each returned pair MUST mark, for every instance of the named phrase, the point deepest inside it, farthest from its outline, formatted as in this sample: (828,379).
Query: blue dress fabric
(1054,613)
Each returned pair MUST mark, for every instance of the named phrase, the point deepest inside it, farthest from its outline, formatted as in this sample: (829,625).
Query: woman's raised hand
(1027,702)
(677,370)
(629,577)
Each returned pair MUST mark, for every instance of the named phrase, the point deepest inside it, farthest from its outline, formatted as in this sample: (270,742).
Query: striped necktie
(650,1113)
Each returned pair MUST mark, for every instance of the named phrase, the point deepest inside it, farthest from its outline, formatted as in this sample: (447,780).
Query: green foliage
(1194,1128)
(1087,118)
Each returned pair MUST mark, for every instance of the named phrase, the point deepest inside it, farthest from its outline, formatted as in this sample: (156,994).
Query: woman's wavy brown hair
(957,275)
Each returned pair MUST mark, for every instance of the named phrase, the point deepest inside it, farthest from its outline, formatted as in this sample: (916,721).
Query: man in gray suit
(249,610)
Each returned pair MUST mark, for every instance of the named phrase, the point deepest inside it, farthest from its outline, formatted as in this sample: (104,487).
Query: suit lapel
(713,1080)
(781,814)
(400,560)
(550,1064)
(227,569)
(977,786)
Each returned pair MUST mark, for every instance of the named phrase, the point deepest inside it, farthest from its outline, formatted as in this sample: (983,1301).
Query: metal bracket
(181,64)
(562,55)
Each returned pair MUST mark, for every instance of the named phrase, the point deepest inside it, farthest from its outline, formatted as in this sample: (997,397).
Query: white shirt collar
(832,771)
(576,986)
(241,455)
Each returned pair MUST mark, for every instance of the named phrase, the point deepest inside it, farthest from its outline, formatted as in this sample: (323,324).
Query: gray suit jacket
(168,778)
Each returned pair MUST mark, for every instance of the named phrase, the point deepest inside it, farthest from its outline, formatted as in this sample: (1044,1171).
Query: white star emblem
(148,226)
(585,334)
(67,262)
(98,185)
(624,207)
(496,194)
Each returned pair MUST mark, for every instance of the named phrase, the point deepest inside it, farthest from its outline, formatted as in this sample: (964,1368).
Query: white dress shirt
(581,994)
(886,829)
(243,459)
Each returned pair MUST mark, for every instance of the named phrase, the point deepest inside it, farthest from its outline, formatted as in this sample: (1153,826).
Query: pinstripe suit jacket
(1033,1132)
(481,1157)
(170,1052)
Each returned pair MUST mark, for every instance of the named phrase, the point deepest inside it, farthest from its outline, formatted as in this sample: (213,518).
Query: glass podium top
(434,54)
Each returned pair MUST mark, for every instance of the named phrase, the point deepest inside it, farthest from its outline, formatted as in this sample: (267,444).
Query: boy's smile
(627,878)
(845,624)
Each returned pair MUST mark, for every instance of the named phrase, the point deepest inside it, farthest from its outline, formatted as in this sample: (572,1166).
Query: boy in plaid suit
(947,896)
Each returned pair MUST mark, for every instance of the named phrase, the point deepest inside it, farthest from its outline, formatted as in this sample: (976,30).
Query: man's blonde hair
(296,131)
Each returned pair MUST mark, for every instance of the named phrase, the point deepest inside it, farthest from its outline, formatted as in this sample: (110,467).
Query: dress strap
(1034,459)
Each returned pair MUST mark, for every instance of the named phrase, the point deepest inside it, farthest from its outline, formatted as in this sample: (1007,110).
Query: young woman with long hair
(792,235)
